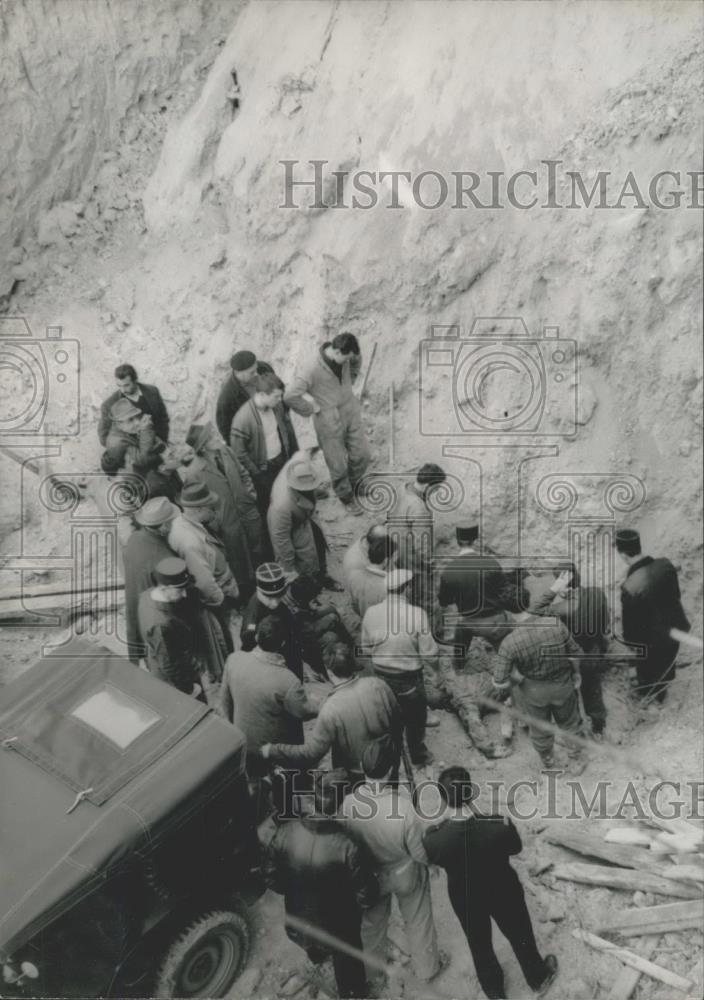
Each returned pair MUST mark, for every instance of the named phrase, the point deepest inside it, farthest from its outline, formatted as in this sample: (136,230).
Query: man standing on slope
(336,412)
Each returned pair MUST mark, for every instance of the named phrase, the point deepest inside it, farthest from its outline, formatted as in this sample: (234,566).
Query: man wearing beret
(238,388)
(165,627)
(651,607)
(475,851)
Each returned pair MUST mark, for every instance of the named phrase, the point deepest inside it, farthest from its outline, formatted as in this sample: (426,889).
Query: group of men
(227,521)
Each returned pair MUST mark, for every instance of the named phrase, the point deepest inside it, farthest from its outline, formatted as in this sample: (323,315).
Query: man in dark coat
(475,851)
(131,442)
(239,521)
(265,601)
(144,549)
(166,627)
(326,879)
(474,584)
(146,398)
(651,607)
(238,388)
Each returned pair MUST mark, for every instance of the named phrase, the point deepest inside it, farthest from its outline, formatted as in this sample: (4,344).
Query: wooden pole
(635,961)
(392,456)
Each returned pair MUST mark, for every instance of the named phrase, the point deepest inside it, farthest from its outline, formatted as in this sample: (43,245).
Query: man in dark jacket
(146,398)
(267,601)
(474,851)
(474,584)
(239,521)
(131,441)
(238,389)
(316,627)
(262,437)
(144,549)
(651,607)
(326,880)
(166,627)
(585,613)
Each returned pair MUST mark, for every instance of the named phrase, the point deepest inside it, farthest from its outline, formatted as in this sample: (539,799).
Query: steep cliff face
(208,261)
(71,71)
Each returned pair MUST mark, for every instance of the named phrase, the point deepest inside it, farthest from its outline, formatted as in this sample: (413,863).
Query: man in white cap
(397,637)
(297,539)
(144,549)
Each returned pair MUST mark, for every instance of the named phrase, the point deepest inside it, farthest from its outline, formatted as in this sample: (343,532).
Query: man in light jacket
(297,539)
(336,412)
(365,567)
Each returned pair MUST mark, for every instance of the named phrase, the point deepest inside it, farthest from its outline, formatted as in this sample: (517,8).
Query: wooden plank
(623,878)
(627,979)
(66,604)
(660,919)
(592,845)
(635,961)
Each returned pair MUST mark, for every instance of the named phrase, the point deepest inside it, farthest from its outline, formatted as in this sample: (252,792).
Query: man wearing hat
(132,433)
(297,539)
(326,879)
(651,606)
(144,549)
(381,816)
(316,626)
(268,600)
(474,583)
(397,637)
(166,629)
(239,521)
(146,398)
(238,388)
(336,412)
(192,536)
(365,566)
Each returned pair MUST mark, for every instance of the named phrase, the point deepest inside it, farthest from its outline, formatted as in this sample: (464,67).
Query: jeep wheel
(206,958)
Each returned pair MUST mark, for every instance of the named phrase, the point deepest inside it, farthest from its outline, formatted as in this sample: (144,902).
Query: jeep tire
(206,958)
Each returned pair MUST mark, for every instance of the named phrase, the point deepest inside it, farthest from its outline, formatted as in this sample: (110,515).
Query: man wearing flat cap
(651,607)
(239,520)
(165,626)
(238,388)
(146,398)
(132,434)
(297,539)
(145,547)
(397,637)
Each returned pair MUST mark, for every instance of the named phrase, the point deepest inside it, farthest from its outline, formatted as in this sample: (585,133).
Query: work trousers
(263,485)
(552,701)
(592,694)
(349,972)
(656,671)
(409,689)
(343,440)
(409,882)
(508,908)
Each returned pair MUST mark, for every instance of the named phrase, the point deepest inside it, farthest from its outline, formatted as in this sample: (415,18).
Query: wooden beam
(635,961)
(593,846)
(649,919)
(627,979)
(623,878)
